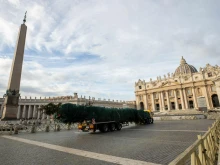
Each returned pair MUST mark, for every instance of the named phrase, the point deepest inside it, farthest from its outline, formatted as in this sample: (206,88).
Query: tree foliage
(51,108)
(70,113)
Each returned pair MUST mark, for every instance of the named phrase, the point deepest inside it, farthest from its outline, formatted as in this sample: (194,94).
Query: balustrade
(204,150)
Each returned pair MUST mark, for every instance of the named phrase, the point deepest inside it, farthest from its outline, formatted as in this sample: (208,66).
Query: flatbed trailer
(101,126)
(101,118)
(92,126)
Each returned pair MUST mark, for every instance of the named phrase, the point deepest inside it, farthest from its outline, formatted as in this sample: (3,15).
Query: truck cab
(151,115)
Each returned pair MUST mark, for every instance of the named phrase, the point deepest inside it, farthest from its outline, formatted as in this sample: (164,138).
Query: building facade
(180,90)
(30,108)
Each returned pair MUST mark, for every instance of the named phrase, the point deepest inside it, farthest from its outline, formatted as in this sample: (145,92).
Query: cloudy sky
(100,48)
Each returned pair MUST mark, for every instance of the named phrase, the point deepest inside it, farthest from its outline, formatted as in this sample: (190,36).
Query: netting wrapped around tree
(69,113)
(142,115)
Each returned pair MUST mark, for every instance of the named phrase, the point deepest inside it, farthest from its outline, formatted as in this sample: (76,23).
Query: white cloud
(14,2)
(131,40)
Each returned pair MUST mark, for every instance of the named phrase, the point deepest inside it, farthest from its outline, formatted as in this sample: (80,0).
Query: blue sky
(101,48)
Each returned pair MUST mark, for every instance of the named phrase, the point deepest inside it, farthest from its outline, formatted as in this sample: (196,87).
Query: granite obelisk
(12,93)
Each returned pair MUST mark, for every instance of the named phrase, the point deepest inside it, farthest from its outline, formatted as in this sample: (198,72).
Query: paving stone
(158,143)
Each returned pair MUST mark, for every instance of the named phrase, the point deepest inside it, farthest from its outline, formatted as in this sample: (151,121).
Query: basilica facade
(180,90)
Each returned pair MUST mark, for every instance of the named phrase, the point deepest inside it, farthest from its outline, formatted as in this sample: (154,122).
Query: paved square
(159,143)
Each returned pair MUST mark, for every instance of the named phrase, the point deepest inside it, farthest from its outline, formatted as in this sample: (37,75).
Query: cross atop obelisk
(24,20)
(12,92)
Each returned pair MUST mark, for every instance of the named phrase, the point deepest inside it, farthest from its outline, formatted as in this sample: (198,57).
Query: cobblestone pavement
(158,143)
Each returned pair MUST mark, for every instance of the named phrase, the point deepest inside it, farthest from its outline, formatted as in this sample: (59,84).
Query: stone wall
(191,117)
(213,115)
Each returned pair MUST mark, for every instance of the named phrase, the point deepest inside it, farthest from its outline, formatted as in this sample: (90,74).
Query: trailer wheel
(101,128)
(112,127)
(119,126)
(104,128)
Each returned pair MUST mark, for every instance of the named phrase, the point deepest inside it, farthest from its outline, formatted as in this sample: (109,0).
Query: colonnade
(180,101)
(31,112)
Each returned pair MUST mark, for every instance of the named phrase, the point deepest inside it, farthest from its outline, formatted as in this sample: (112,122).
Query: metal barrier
(33,127)
(204,151)
(6,128)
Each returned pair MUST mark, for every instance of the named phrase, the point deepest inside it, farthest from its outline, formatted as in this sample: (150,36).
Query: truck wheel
(101,128)
(119,126)
(105,127)
(112,127)
(152,120)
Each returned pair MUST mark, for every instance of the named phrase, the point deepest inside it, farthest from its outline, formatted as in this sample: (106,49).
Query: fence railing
(33,127)
(204,151)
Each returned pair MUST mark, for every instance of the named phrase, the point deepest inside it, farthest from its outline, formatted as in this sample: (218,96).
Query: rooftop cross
(24,20)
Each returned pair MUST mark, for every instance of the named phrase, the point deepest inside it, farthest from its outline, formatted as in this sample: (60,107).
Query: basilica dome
(184,68)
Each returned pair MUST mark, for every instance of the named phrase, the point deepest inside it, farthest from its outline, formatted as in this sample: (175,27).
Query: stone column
(1,109)
(137,102)
(30,112)
(217,86)
(24,114)
(38,113)
(206,96)
(145,102)
(162,100)
(168,100)
(19,112)
(35,112)
(44,115)
(182,99)
(153,104)
(194,98)
(210,99)
(185,98)
(176,101)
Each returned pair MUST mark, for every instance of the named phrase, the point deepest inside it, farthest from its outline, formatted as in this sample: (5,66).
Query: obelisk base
(9,112)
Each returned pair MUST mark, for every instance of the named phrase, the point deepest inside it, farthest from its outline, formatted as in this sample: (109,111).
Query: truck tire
(147,121)
(104,128)
(152,120)
(119,126)
(112,127)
